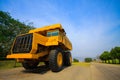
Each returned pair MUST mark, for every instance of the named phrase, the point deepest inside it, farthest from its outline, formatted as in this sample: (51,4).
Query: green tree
(88,59)
(9,29)
(105,56)
(113,55)
(75,60)
(118,53)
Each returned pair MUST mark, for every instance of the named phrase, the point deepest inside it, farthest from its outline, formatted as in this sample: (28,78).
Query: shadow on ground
(39,70)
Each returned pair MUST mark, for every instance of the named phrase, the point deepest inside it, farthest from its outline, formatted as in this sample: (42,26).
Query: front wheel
(46,63)
(56,60)
(30,64)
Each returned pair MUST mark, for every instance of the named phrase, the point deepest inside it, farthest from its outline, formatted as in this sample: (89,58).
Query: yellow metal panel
(53,40)
(67,43)
(20,55)
(27,55)
(46,28)
(37,39)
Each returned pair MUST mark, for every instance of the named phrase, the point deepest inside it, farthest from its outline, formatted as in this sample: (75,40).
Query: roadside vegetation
(88,59)
(75,60)
(112,57)
(9,29)
(78,63)
(8,64)
(81,64)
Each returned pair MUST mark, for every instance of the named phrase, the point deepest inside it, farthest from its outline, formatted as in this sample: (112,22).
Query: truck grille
(23,44)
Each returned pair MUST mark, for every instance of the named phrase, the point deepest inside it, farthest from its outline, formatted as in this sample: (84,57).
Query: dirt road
(95,71)
(105,71)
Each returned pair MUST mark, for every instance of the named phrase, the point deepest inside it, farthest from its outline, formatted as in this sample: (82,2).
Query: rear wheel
(67,59)
(56,60)
(30,64)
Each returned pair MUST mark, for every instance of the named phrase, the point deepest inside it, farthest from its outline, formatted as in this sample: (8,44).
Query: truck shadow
(39,70)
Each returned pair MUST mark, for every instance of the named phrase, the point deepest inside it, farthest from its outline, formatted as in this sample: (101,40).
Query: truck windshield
(54,33)
(48,34)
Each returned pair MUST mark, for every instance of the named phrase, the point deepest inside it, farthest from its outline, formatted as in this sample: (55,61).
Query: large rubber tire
(30,64)
(67,59)
(56,60)
(46,63)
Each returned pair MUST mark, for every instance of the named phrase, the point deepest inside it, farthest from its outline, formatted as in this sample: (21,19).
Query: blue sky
(93,26)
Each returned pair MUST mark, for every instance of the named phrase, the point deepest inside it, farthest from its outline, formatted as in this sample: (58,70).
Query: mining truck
(48,44)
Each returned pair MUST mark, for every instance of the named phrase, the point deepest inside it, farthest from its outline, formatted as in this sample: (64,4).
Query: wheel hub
(59,59)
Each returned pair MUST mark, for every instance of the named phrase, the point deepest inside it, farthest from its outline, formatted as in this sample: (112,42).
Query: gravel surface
(95,71)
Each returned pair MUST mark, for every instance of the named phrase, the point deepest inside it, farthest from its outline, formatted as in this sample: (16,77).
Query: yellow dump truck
(48,44)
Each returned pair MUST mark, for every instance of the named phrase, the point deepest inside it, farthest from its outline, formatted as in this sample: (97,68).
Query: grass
(81,64)
(7,64)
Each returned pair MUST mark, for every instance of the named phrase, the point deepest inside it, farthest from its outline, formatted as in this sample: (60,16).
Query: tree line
(87,59)
(112,56)
(9,29)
